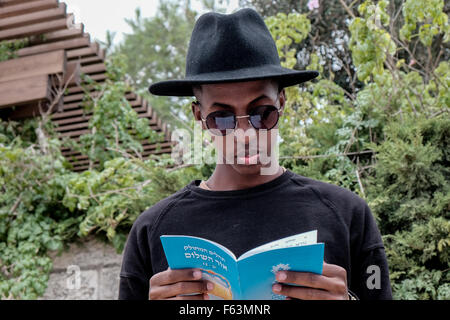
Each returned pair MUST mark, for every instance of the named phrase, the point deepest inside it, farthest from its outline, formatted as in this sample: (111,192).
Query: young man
(233,70)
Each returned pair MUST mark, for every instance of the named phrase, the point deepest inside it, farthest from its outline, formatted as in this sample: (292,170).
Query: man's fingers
(203,296)
(331,283)
(306,279)
(180,288)
(302,293)
(332,270)
(172,276)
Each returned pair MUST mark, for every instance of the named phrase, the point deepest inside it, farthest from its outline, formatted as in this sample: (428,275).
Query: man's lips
(247,153)
(250,159)
(247,158)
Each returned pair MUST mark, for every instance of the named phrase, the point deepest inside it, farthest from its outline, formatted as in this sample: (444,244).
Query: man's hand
(331,285)
(180,284)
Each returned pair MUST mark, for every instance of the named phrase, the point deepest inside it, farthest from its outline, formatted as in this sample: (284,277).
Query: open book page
(257,272)
(301,239)
(218,263)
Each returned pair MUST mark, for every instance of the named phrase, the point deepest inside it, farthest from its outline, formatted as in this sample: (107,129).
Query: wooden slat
(145,145)
(33,18)
(72,73)
(67,117)
(23,91)
(59,45)
(76,32)
(80,118)
(22,8)
(80,115)
(75,105)
(83,123)
(93,94)
(94,68)
(25,111)
(80,166)
(6,3)
(76,109)
(153,146)
(73,90)
(77,133)
(35,29)
(98,77)
(74,97)
(81,159)
(46,63)
(82,52)
(90,60)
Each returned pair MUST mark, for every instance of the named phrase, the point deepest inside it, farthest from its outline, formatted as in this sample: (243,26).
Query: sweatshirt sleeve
(370,272)
(136,269)
(132,288)
(371,279)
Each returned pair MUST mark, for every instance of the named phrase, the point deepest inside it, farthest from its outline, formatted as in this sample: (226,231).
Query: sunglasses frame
(240,117)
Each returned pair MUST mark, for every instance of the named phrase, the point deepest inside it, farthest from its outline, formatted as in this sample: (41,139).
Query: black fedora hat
(230,48)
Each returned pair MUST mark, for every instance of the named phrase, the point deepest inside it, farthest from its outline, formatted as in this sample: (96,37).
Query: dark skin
(241,97)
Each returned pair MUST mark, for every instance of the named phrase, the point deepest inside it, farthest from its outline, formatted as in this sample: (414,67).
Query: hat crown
(227,42)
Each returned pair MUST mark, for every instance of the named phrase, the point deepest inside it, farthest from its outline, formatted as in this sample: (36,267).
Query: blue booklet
(250,276)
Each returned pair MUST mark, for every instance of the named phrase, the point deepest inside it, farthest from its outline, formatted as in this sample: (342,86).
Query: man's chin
(253,169)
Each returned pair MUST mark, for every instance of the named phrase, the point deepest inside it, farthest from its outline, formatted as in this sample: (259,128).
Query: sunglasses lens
(264,117)
(218,122)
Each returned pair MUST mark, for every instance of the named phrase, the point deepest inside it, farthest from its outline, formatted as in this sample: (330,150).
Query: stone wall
(89,270)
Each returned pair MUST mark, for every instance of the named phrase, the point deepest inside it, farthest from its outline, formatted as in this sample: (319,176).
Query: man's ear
(282,101)
(195,106)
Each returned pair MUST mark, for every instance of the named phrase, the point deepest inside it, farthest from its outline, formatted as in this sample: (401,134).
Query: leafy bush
(44,205)
(410,196)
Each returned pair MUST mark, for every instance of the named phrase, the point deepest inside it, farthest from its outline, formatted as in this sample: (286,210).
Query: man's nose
(244,131)
(243,123)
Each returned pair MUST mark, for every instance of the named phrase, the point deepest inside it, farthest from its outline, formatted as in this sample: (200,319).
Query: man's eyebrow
(263,96)
(222,105)
(227,106)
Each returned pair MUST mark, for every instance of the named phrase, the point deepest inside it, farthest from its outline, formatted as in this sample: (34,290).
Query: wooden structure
(58,52)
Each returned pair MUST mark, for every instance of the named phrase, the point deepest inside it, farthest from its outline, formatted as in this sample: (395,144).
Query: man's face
(244,146)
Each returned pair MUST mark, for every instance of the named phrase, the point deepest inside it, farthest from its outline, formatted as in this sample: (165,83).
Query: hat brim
(181,88)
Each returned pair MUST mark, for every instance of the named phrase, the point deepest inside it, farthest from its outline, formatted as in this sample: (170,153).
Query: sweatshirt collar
(267,186)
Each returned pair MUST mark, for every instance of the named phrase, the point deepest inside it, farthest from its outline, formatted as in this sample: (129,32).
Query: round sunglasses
(261,117)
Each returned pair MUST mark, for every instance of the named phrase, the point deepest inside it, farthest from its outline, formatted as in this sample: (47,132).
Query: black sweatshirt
(244,219)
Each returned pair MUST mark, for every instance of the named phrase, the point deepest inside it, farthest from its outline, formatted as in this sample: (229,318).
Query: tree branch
(349,11)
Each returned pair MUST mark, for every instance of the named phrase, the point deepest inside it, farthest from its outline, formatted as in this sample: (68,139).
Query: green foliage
(9,48)
(388,140)
(114,197)
(156,51)
(431,18)
(370,43)
(32,185)
(115,128)
(44,206)
(410,196)
(288,29)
